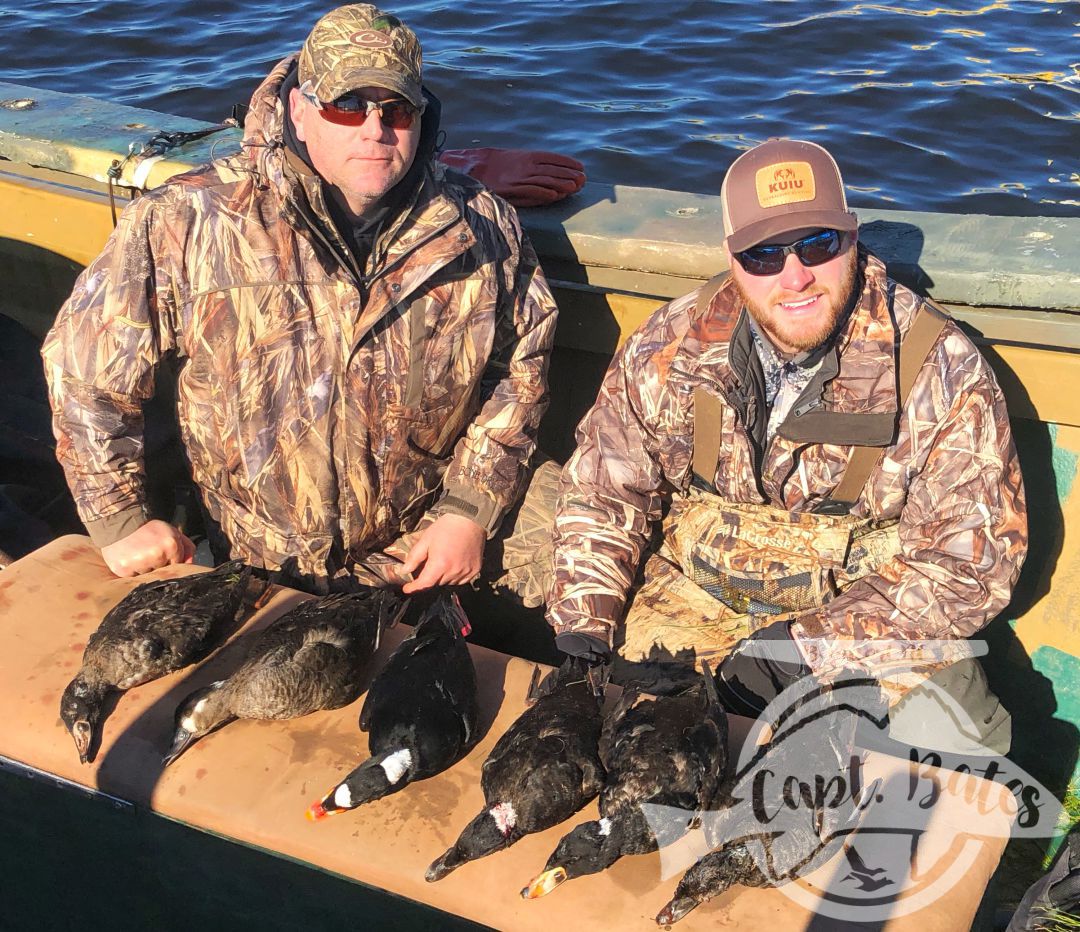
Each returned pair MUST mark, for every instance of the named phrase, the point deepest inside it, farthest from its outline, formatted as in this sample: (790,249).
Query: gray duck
(308,660)
(156,629)
(540,772)
(664,751)
(421,712)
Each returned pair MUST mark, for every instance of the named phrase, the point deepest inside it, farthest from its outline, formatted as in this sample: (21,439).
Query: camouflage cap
(780,186)
(360,46)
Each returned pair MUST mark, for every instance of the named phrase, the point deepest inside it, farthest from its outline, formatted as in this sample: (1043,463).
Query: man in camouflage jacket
(802,357)
(362,336)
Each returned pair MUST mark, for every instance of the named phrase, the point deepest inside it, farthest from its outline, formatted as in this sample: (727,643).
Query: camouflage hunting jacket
(949,475)
(323,413)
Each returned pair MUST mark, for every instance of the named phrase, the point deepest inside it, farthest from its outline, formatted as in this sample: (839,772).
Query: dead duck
(738,862)
(813,742)
(540,772)
(308,660)
(421,712)
(665,751)
(156,629)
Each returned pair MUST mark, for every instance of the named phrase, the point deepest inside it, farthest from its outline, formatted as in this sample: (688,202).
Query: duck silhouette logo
(827,792)
(869,879)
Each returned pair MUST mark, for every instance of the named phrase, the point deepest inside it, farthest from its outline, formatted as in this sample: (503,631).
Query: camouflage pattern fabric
(322,418)
(670,618)
(949,480)
(517,561)
(358,46)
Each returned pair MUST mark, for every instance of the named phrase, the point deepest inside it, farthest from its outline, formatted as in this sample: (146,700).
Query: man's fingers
(187,552)
(431,576)
(415,558)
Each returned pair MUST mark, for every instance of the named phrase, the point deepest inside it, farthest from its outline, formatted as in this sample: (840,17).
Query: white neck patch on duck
(395,765)
(605,826)
(505,817)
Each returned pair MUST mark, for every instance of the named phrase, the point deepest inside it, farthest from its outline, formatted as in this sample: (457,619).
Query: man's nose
(795,276)
(372,127)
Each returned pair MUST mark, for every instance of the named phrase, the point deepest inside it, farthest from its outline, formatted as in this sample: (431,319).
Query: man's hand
(524,177)
(449,551)
(155,544)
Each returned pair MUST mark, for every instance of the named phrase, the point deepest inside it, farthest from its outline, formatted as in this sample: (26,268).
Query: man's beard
(804,335)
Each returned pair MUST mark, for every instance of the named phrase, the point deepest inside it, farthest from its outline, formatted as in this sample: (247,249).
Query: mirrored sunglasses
(351,110)
(811,250)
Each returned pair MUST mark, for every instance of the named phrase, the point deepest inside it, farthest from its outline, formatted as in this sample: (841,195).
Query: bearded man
(830,455)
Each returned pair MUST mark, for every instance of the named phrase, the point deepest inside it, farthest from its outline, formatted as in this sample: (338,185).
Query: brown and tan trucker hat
(360,46)
(779,186)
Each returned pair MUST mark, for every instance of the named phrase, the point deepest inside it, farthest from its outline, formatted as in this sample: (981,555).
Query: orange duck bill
(544,883)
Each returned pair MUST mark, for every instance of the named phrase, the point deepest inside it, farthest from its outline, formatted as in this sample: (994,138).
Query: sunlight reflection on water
(961,107)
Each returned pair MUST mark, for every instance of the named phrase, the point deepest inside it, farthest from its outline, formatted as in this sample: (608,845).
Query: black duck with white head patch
(308,660)
(156,629)
(540,772)
(421,713)
(666,751)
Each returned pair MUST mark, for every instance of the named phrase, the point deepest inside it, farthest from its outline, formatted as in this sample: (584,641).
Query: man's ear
(296,111)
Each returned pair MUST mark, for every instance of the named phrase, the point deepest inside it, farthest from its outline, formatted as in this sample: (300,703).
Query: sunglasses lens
(819,248)
(762,260)
(342,116)
(398,114)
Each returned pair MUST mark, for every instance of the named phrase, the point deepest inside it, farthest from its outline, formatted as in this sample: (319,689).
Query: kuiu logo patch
(370,39)
(786,183)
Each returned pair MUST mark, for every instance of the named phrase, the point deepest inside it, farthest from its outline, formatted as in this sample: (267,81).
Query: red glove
(524,177)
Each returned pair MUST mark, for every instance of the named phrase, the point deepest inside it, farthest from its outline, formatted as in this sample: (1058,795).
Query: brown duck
(308,660)
(156,629)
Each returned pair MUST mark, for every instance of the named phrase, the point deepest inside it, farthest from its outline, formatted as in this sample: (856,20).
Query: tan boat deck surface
(253,781)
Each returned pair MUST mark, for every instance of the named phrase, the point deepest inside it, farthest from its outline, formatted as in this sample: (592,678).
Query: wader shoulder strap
(707,407)
(708,291)
(708,416)
(920,339)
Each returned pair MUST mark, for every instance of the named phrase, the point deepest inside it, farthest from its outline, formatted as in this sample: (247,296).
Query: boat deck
(252,782)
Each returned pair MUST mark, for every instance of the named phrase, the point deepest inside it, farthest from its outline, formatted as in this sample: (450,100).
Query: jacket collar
(852,398)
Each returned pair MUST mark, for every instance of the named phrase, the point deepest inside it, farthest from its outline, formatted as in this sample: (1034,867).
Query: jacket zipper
(364,285)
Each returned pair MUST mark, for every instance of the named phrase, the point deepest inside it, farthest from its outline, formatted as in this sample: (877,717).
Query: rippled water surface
(970,106)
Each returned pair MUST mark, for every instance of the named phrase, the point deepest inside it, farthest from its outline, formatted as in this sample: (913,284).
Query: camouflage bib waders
(726,568)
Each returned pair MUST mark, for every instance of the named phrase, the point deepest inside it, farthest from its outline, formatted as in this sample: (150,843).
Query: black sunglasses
(812,250)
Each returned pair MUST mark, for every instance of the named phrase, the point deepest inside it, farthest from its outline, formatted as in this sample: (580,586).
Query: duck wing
(309,659)
(426,695)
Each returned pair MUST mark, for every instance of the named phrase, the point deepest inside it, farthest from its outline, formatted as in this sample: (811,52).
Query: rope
(154,149)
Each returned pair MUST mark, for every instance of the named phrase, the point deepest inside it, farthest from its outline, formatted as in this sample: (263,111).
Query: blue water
(974,106)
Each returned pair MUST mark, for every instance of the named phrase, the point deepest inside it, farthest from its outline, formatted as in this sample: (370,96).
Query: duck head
(80,710)
(199,714)
(490,831)
(588,849)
